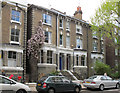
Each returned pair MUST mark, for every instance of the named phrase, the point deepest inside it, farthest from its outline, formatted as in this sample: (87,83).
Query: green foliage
(101,68)
(55,73)
(115,75)
(106,19)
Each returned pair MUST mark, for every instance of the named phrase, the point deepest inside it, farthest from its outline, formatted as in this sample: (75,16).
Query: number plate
(39,84)
(87,82)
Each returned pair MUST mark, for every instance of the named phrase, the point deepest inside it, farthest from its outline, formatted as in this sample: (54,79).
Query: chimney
(78,13)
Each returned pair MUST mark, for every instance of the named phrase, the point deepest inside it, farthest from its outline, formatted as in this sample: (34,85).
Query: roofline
(55,12)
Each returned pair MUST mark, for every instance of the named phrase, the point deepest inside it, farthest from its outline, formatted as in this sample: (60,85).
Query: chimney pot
(78,8)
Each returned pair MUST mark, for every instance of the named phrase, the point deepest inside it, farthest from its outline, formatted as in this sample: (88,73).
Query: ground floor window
(49,57)
(77,60)
(41,56)
(83,60)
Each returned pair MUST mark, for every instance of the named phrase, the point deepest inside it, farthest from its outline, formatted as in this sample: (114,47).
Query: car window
(58,79)
(103,78)
(4,80)
(108,78)
(93,77)
(43,78)
(51,79)
(65,80)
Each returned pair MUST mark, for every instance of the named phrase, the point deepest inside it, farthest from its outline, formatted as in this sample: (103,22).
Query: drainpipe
(88,72)
(57,41)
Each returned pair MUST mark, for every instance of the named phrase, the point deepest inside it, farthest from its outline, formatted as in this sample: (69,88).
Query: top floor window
(67,25)
(15,16)
(79,29)
(47,19)
(95,44)
(61,23)
(94,34)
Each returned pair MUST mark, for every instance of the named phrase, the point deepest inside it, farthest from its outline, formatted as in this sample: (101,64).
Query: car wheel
(21,91)
(77,89)
(51,90)
(101,87)
(117,85)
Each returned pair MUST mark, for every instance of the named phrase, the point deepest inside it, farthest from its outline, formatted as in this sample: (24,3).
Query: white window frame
(95,45)
(47,19)
(79,42)
(61,23)
(61,40)
(15,42)
(49,37)
(67,41)
(79,27)
(49,57)
(12,20)
(67,26)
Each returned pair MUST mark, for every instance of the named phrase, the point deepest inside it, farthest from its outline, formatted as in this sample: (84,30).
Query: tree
(101,68)
(105,20)
(34,45)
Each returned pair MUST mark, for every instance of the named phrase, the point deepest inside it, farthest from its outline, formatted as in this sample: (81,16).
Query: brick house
(13,38)
(69,43)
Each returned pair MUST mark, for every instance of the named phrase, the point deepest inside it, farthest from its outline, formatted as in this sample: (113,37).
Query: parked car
(53,84)
(10,86)
(101,82)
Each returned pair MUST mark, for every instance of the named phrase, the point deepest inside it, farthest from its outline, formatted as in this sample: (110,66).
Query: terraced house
(13,38)
(69,44)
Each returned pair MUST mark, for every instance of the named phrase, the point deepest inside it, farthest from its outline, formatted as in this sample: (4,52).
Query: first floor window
(12,54)
(79,43)
(49,57)
(61,39)
(15,35)
(77,60)
(48,37)
(83,60)
(68,41)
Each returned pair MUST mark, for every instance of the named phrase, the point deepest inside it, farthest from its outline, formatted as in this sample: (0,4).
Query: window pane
(15,15)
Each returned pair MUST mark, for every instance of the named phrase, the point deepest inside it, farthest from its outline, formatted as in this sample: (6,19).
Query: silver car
(10,86)
(101,82)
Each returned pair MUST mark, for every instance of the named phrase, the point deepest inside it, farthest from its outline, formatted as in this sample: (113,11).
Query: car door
(104,81)
(68,85)
(111,83)
(5,85)
(58,84)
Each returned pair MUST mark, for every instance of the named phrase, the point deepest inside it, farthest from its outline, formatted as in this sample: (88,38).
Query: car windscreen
(43,78)
(93,77)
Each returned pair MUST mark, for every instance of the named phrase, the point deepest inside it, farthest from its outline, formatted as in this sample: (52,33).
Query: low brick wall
(32,86)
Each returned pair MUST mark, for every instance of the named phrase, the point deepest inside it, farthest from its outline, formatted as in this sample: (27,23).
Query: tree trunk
(33,69)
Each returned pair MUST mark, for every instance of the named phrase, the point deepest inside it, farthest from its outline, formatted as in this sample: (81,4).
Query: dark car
(53,84)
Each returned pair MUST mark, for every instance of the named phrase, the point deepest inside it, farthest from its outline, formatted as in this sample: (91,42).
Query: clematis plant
(36,41)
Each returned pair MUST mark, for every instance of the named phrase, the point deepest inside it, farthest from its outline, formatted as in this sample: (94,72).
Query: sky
(69,6)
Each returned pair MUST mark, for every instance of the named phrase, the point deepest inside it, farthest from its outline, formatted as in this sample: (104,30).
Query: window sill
(13,42)
(61,28)
(67,29)
(12,21)
(47,24)
(79,33)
